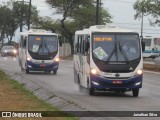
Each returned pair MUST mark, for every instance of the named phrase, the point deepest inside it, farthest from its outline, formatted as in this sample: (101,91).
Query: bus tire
(91,91)
(47,72)
(80,87)
(27,71)
(135,92)
(54,72)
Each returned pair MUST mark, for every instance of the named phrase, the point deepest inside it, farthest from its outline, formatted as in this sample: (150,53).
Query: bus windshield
(116,47)
(42,45)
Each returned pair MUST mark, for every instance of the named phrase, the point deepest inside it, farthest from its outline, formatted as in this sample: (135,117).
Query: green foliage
(13,14)
(148,7)
(77,14)
(47,23)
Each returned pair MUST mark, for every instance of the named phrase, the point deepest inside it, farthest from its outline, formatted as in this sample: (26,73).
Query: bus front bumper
(101,83)
(42,66)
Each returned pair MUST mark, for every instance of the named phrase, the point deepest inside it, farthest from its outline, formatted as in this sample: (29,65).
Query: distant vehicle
(39,51)
(152,47)
(157,60)
(108,58)
(8,51)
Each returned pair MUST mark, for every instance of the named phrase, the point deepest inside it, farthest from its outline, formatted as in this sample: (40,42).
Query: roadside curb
(48,97)
(152,72)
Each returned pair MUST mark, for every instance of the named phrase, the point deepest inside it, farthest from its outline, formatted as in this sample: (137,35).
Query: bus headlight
(57,59)
(139,72)
(94,71)
(14,51)
(28,58)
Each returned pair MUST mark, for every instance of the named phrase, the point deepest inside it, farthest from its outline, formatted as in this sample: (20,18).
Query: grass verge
(14,97)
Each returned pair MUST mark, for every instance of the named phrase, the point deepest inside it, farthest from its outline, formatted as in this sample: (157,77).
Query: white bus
(107,58)
(152,47)
(39,51)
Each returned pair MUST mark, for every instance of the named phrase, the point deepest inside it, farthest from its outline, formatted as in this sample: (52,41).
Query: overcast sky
(121,10)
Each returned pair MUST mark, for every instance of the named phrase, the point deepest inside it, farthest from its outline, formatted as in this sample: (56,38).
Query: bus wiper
(39,47)
(47,48)
(113,51)
(123,53)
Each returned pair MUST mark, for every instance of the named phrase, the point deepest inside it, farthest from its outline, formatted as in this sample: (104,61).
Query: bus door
(23,51)
(85,49)
(82,61)
(78,60)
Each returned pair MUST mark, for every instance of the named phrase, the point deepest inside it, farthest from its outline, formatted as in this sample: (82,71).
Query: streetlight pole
(29,14)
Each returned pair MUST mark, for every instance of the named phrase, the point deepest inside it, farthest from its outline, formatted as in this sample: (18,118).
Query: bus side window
(80,48)
(84,47)
(75,44)
(78,44)
(24,42)
(82,44)
(87,44)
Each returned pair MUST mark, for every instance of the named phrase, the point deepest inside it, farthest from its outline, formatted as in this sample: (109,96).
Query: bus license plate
(117,82)
(42,65)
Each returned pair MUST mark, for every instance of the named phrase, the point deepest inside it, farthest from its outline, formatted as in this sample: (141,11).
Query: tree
(77,14)
(4,11)
(47,23)
(14,13)
(148,7)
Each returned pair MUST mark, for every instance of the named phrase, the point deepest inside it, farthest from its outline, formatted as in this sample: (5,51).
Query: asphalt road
(63,85)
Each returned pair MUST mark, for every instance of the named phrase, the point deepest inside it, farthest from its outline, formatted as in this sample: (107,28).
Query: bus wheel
(91,91)
(80,87)
(54,72)
(135,92)
(47,72)
(27,70)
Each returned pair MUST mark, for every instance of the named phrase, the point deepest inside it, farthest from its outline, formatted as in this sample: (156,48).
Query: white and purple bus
(152,47)
(108,58)
(39,51)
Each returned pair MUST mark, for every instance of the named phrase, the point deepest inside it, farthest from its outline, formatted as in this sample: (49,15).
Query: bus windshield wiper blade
(47,48)
(123,53)
(113,51)
(39,47)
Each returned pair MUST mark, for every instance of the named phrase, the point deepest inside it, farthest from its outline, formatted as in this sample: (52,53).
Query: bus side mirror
(143,46)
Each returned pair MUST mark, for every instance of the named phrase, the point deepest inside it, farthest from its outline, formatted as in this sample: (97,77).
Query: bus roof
(37,32)
(103,28)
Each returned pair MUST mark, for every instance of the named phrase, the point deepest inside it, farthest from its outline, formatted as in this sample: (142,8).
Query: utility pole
(142,25)
(143,11)
(97,12)
(98,4)
(21,21)
(29,14)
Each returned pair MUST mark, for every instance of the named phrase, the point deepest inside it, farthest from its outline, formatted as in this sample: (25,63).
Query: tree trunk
(71,43)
